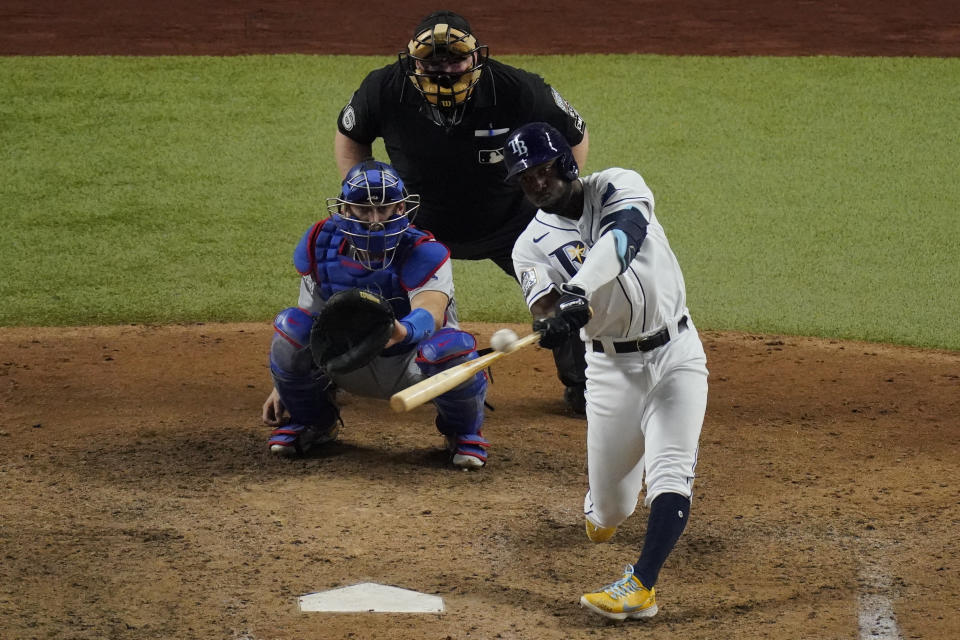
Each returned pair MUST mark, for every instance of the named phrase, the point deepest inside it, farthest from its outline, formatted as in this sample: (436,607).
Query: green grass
(811,196)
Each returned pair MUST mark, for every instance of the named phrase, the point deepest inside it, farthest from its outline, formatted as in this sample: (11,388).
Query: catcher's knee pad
(290,349)
(460,410)
(293,324)
(303,387)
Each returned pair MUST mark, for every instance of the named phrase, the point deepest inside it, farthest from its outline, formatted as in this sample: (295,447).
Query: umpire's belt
(647,343)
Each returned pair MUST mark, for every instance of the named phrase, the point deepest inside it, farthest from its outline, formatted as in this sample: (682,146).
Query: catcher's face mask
(444,64)
(372,211)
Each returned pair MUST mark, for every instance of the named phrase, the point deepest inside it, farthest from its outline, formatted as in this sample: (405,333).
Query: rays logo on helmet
(518,146)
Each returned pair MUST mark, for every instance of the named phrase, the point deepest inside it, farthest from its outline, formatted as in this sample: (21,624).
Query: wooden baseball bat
(428,389)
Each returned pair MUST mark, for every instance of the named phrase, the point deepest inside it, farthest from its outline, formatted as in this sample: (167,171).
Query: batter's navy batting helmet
(537,143)
(373,184)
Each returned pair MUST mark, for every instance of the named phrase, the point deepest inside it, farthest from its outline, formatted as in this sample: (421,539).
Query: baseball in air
(503,339)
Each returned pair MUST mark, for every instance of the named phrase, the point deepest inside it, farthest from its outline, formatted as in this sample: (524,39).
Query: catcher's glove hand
(350,331)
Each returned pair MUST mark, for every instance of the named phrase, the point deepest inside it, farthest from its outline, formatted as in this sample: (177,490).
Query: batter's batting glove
(572,312)
(573,306)
(554,331)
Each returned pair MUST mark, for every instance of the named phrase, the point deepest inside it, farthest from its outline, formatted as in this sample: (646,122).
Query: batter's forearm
(601,265)
(543,307)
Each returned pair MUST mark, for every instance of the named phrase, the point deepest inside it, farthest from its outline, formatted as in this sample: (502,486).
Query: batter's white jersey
(645,408)
(647,296)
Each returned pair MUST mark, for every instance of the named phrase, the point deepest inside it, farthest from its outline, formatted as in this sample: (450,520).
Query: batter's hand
(571,312)
(554,331)
(274,413)
(573,306)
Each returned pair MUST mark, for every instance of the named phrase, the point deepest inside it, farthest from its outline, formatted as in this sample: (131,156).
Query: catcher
(376,314)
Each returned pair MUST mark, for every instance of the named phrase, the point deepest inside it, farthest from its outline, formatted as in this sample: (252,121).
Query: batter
(595,259)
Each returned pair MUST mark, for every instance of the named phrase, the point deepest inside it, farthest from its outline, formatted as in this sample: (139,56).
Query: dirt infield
(137,499)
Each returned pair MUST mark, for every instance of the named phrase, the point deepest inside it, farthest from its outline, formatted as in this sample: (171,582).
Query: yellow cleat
(625,598)
(599,534)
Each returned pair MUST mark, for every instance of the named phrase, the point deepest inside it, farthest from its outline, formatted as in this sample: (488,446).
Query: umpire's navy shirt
(459,171)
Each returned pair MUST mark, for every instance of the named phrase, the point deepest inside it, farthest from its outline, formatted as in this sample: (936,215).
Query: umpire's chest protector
(324,252)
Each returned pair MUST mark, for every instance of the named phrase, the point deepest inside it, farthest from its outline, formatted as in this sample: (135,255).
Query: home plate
(369,596)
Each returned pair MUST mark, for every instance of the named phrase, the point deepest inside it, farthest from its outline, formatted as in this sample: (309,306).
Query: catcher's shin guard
(460,410)
(303,388)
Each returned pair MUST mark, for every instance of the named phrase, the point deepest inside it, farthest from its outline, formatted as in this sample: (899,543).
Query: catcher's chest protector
(335,272)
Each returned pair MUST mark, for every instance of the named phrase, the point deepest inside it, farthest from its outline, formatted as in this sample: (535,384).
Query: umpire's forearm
(349,153)
(581,150)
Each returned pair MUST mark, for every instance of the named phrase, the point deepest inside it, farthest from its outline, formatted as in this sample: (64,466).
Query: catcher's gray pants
(380,379)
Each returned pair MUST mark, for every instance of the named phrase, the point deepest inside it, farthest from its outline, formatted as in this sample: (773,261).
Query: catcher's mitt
(350,331)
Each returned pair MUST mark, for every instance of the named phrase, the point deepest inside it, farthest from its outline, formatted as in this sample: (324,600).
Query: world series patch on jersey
(528,280)
(548,253)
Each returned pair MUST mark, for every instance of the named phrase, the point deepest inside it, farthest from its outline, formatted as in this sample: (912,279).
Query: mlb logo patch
(490,156)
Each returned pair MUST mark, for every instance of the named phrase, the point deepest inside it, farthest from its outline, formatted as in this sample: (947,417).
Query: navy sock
(669,513)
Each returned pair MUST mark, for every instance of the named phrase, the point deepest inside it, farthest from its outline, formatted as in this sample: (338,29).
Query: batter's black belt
(648,343)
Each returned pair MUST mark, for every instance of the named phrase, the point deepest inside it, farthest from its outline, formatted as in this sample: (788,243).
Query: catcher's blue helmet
(373,184)
(537,143)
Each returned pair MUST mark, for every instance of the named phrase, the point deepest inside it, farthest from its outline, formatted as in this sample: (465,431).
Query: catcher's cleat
(297,439)
(597,533)
(469,450)
(467,462)
(625,598)
(575,399)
